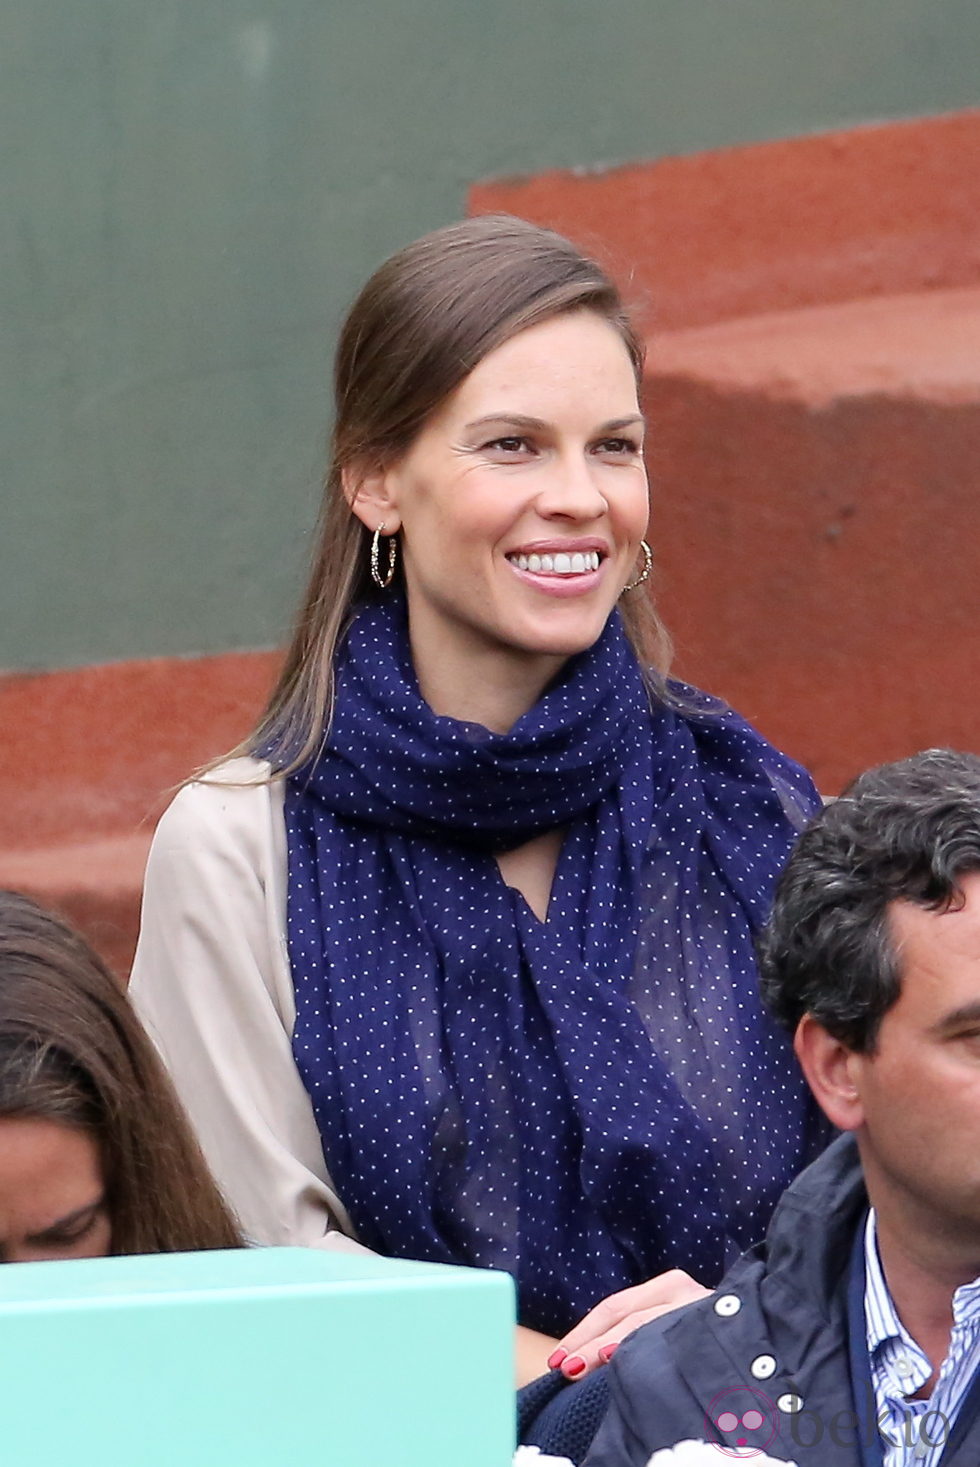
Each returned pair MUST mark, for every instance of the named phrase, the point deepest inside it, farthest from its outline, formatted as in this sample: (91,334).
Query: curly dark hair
(908,832)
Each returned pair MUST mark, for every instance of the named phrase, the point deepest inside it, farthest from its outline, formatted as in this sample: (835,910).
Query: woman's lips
(558,583)
(558,562)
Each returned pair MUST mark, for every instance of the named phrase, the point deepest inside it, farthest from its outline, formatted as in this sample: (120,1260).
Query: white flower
(706,1454)
(534,1457)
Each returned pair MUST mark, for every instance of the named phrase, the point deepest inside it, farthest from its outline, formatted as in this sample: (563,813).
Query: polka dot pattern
(582,1101)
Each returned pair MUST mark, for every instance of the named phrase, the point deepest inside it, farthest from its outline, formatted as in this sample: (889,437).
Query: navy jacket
(776,1360)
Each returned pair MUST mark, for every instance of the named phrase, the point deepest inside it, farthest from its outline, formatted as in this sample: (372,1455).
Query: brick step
(816,506)
(796,222)
(916,345)
(92,756)
(95,884)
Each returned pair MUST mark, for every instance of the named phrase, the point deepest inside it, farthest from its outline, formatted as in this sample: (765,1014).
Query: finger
(663,1289)
(599,1350)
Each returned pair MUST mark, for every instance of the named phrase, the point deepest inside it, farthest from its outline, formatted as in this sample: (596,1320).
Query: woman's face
(52,1192)
(521,504)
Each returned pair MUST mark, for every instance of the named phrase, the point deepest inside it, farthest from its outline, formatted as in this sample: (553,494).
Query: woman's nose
(572,490)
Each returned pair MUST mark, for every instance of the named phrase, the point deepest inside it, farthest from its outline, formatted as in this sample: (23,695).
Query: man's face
(919,1092)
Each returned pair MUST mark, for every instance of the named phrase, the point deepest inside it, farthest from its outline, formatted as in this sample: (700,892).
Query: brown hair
(421,324)
(73,1051)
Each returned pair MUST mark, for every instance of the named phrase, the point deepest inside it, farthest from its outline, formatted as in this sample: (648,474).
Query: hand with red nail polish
(594,1340)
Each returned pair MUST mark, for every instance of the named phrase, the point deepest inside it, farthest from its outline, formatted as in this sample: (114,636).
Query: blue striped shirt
(914,1432)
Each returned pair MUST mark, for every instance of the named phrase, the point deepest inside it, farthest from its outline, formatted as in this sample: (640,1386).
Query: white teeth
(559,564)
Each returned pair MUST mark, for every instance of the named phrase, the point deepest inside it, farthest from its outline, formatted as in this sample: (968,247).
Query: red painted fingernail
(573,1366)
(608,1351)
(556,1357)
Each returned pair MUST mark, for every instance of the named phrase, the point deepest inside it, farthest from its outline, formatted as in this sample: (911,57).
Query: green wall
(193,190)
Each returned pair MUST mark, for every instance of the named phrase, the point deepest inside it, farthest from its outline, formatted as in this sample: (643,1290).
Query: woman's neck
(492,686)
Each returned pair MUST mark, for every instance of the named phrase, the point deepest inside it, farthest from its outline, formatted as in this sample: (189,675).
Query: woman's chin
(564,631)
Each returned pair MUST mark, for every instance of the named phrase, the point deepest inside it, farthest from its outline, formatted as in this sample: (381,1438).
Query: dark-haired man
(852,1338)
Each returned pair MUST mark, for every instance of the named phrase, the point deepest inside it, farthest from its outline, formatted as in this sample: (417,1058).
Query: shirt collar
(966,1304)
(881,1317)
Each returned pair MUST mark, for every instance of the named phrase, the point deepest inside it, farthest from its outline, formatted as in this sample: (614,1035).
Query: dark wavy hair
(907,832)
(73,1051)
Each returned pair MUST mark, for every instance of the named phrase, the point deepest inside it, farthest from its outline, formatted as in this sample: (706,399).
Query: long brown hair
(73,1051)
(421,324)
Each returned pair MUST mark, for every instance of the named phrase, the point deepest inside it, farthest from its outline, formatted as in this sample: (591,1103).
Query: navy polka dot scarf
(583,1101)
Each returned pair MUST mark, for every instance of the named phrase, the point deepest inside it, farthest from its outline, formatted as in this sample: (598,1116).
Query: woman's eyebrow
(521,420)
(635,420)
(69,1220)
(515,420)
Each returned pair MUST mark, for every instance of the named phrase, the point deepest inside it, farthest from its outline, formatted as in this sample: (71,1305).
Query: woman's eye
(74,1233)
(510,444)
(621,447)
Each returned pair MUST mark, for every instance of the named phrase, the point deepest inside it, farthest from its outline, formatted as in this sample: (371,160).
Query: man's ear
(832,1072)
(371,493)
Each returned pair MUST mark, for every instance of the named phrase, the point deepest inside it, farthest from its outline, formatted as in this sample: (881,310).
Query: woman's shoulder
(241,785)
(235,805)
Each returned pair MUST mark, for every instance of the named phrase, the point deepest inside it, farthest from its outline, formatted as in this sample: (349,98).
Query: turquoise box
(265,1357)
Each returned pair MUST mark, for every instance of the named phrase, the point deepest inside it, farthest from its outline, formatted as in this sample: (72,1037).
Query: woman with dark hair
(96,1156)
(455,956)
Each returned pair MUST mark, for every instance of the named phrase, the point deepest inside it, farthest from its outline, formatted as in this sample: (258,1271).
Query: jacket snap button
(763,1366)
(728,1305)
(790,1403)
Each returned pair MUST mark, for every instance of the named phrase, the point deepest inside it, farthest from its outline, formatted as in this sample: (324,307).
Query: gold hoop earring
(383,581)
(645,572)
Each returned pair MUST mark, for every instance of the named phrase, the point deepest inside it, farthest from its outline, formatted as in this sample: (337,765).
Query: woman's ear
(369,490)
(832,1072)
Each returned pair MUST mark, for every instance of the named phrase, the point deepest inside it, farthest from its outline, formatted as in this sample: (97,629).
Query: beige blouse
(211,983)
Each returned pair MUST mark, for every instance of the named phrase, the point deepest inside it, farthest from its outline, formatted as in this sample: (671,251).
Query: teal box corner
(265,1357)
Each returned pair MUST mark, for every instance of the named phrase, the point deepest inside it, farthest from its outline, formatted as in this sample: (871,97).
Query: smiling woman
(455,958)
(95,1154)
(532,464)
